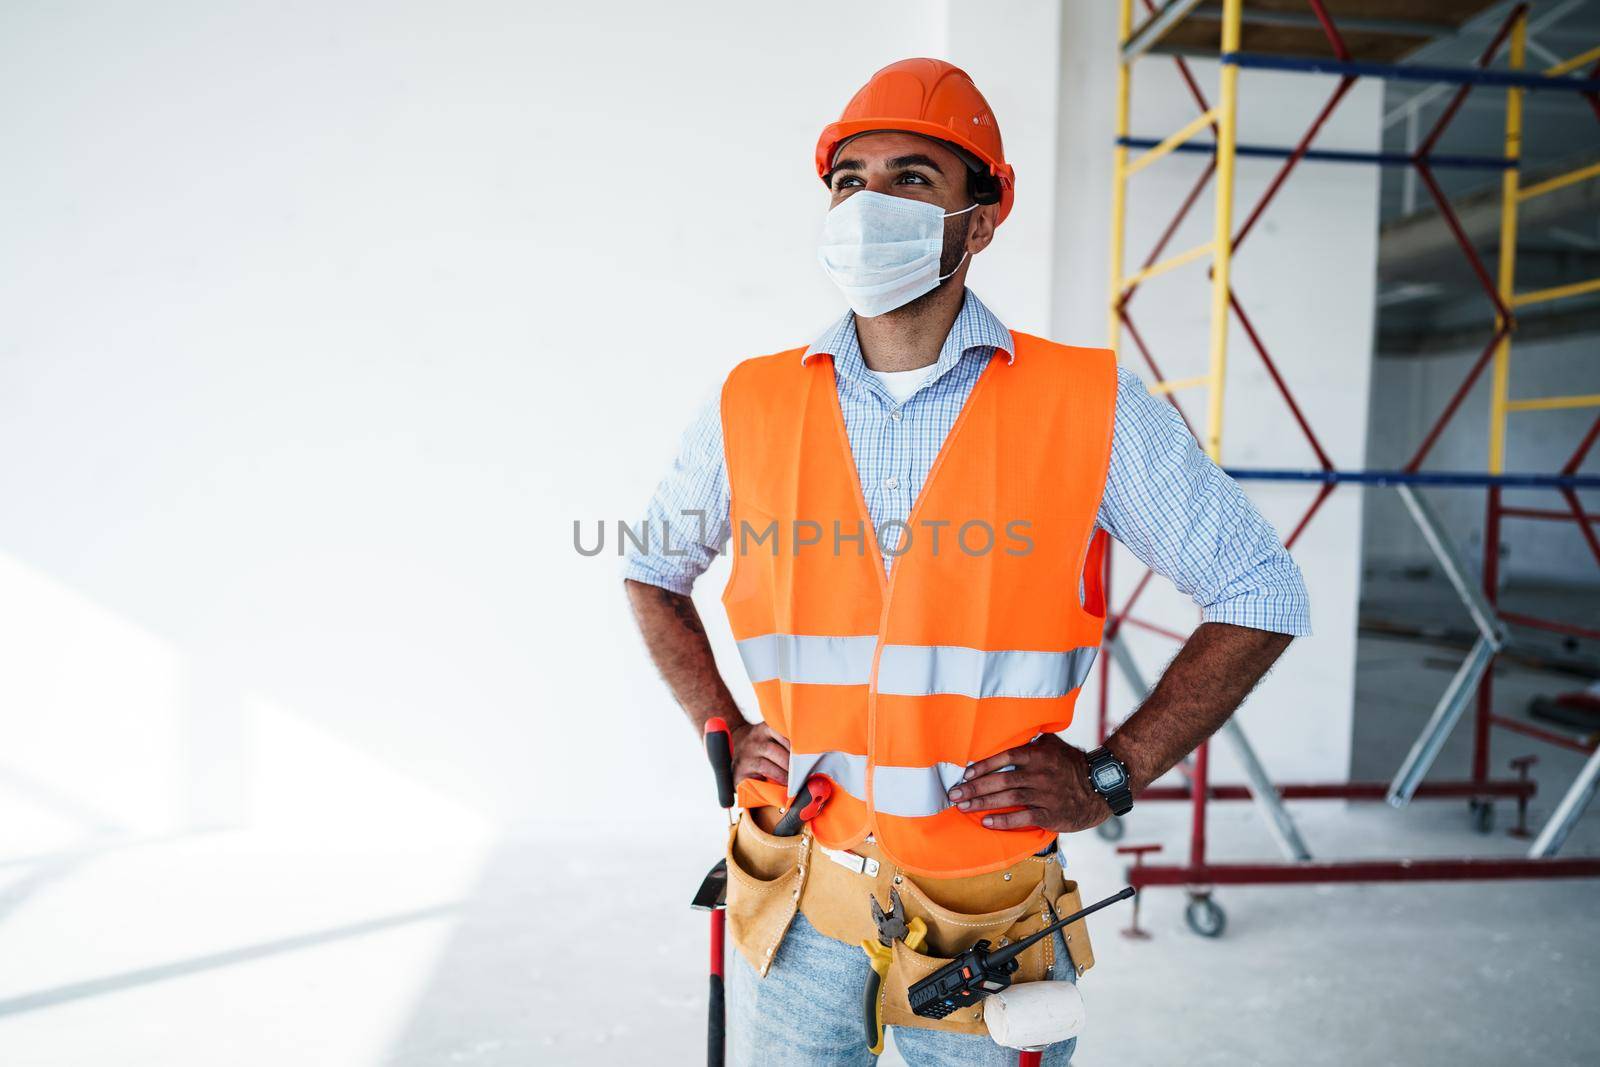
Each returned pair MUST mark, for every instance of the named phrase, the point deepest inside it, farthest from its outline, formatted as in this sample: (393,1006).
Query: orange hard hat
(928,97)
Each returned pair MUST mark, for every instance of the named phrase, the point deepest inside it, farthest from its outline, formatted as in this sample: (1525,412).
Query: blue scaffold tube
(1504,79)
(1332,155)
(1457,479)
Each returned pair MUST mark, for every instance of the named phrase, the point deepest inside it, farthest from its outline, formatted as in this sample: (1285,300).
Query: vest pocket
(765,876)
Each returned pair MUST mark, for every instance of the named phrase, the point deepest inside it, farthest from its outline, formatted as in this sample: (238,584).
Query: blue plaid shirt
(1164,498)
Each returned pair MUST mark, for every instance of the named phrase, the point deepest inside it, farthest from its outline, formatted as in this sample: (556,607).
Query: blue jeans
(807,1012)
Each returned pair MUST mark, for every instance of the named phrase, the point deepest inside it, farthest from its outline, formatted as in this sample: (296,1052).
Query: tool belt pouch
(952,932)
(1076,935)
(765,877)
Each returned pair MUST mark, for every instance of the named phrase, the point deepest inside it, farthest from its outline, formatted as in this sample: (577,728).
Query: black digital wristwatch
(1109,778)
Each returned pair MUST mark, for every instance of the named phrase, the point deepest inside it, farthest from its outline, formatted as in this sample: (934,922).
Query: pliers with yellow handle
(892,926)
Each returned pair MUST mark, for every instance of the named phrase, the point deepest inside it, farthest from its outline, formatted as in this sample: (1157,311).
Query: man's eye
(846,183)
(913,178)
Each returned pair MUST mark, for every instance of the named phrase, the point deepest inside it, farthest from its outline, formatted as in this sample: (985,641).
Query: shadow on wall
(115,735)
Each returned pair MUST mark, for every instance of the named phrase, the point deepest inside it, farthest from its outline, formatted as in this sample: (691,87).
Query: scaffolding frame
(1474,677)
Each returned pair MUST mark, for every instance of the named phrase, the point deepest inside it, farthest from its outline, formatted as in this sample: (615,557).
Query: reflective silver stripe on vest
(909,791)
(915,670)
(808,659)
(923,670)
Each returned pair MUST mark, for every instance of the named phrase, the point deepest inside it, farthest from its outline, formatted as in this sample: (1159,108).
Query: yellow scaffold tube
(1556,292)
(1500,379)
(1162,266)
(1173,386)
(1575,62)
(1554,403)
(1119,180)
(1222,254)
(1560,181)
(1170,145)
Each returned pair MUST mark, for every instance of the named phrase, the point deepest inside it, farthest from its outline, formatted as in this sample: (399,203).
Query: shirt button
(891,482)
(895,415)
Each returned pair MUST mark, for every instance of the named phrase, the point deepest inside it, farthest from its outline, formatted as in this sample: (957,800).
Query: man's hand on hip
(1049,782)
(759,752)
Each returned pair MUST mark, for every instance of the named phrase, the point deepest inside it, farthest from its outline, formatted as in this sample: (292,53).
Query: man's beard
(955,245)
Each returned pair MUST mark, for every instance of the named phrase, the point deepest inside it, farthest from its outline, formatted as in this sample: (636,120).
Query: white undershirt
(901,383)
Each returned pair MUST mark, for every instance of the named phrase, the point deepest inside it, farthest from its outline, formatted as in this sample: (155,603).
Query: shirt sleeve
(685,523)
(1188,521)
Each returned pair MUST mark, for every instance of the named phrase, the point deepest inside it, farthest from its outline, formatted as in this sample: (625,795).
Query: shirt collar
(975,328)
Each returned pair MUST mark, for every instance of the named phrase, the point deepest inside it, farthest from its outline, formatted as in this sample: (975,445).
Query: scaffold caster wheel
(1113,829)
(1482,812)
(1205,916)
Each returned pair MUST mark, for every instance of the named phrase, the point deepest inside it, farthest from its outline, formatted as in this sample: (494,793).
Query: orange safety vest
(975,642)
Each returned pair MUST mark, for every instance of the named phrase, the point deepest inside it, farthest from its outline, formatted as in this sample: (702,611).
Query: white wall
(1408,395)
(1305,276)
(1011,50)
(320,324)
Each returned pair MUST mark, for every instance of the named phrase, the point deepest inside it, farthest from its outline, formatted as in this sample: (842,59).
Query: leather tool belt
(770,879)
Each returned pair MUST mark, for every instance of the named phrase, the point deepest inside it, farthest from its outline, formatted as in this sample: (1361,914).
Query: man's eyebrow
(897,163)
(917,160)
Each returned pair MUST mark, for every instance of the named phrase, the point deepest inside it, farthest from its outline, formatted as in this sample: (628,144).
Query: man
(918,503)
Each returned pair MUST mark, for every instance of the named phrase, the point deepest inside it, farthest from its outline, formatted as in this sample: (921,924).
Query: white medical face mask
(883,251)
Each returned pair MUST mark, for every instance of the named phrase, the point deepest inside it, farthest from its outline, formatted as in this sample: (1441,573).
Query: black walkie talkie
(977,972)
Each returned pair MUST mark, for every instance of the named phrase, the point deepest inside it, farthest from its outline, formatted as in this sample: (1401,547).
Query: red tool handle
(821,791)
(716,1019)
(805,806)
(719,749)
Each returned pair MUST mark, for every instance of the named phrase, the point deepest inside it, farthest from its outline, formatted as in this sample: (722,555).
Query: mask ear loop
(963,258)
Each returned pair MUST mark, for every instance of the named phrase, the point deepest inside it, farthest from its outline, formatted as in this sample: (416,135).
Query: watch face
(1108,777)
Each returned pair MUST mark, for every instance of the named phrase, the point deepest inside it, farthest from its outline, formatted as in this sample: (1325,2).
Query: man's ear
(981,232)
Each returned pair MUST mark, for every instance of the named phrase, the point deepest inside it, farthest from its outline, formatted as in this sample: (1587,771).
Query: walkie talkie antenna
(1000,956)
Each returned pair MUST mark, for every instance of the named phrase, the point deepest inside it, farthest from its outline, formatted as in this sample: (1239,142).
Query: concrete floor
(250,950)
